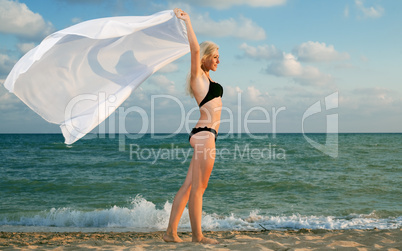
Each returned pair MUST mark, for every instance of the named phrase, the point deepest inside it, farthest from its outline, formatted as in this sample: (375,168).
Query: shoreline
(303,239)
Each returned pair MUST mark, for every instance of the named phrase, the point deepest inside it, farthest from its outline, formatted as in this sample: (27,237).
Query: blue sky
(276,55)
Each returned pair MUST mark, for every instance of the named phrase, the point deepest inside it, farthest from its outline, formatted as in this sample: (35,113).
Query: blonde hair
(207,48)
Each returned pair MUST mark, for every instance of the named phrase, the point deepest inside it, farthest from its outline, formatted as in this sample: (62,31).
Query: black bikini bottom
(200,129)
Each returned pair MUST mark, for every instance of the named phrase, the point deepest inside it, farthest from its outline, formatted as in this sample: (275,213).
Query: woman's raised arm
(194,46)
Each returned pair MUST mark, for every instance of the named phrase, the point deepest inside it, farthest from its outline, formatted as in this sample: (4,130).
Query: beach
(303,239)
(92,196)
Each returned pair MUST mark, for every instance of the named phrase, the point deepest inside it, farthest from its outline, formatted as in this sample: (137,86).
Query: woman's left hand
(180,14)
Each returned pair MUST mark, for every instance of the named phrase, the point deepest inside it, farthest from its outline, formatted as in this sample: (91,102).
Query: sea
(259,182)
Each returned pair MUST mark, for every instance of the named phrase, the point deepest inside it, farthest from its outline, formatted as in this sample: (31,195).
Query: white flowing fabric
(78,76)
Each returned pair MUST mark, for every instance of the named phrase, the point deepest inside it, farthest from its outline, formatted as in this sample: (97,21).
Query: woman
(204,58)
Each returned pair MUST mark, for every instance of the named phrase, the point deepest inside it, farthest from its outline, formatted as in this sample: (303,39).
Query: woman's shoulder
(200,79)
(199,83)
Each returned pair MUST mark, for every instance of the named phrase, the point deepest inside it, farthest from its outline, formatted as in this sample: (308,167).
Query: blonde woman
(207,93)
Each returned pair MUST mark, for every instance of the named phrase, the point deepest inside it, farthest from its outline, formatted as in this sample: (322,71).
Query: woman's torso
(210,111)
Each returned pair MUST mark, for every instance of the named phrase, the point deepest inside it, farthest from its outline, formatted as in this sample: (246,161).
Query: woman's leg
(203,162)
(179,203)
(194,187)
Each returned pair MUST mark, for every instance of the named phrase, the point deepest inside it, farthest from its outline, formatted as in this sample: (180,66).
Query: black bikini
(215,90)
(200,129)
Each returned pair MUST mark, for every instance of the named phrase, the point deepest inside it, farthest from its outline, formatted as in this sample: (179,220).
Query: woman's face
(211,62)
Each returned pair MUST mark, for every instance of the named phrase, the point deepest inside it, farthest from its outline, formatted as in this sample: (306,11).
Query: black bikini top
(215,90)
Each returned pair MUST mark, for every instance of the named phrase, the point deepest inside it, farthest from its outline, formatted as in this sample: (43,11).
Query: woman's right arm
(194,46)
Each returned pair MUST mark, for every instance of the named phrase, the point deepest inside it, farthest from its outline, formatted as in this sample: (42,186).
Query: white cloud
(243,28)
(6,64)
(364,58)
(25,47)
(76,20)
(377,94)
(172,67)
(83,1)
(16,18)
(254,96)
(223,4)
(261,52)
(289,66)
(370,12)
(249,97)
(284,64)
(371,109)
(162,83)
(346,11)
(8,101)
(316,52)
(203,24)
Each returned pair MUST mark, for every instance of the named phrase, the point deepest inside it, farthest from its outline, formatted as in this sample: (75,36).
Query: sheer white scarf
(78,76)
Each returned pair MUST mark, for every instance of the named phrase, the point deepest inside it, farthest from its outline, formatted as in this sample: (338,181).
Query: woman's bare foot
(172,238)
(206,240)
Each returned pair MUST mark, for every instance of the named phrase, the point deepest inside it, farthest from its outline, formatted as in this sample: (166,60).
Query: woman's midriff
(210,114)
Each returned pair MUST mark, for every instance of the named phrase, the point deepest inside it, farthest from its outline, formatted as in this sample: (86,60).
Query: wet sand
(303,239)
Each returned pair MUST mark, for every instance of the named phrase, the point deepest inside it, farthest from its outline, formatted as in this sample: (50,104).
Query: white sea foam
(143,215)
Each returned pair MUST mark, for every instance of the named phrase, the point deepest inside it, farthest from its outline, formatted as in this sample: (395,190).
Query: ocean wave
(142,215)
